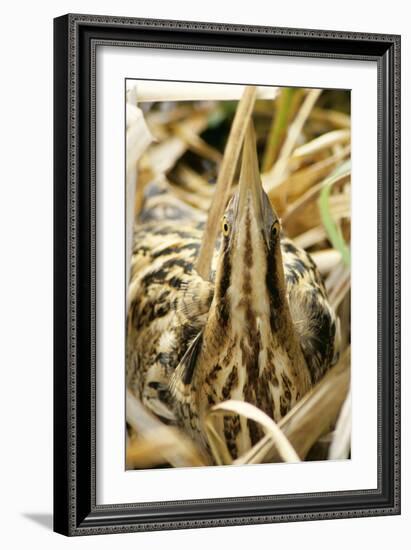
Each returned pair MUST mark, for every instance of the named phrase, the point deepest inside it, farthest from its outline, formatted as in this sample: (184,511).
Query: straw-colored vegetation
(189,139)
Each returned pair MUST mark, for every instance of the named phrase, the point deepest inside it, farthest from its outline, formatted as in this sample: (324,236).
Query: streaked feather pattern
(169,304)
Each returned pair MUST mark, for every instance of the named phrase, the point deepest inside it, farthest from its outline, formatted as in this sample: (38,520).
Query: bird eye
(275,229)
(225,227)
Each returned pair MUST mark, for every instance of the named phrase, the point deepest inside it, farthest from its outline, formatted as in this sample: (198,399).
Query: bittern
(261,330)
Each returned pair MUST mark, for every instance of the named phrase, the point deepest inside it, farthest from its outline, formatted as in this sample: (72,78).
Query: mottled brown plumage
(261,330)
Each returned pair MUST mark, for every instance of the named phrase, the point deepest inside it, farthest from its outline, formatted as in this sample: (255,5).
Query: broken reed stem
(225,179)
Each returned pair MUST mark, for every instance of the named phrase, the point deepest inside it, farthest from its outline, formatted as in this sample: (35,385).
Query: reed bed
(188,138)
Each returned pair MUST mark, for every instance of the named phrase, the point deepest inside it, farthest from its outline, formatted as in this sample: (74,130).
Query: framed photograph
(227,274)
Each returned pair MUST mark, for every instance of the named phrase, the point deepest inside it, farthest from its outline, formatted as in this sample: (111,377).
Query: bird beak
(251,193)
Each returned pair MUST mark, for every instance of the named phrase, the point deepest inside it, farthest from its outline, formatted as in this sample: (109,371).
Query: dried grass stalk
(196,144)
(311,237)
(334,118)
(326,260)
(217,444)
(145,90)
(299,181)
(279,169)
(325,141)
(333,277)
(163,443)
(341,442)
(192,181)
(340,288)
(193,199)
(138,138)
(295,209)
(249,411)
(225,179)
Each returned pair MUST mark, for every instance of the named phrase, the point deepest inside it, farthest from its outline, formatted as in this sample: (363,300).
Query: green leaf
(331,227)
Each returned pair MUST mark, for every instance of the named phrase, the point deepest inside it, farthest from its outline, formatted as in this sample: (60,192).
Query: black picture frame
(76,38)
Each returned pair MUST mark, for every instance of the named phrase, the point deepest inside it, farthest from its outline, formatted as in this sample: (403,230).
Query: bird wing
(183,390)
(168,307)
(311,311)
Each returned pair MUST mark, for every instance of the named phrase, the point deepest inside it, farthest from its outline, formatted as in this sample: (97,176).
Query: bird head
(249,281)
